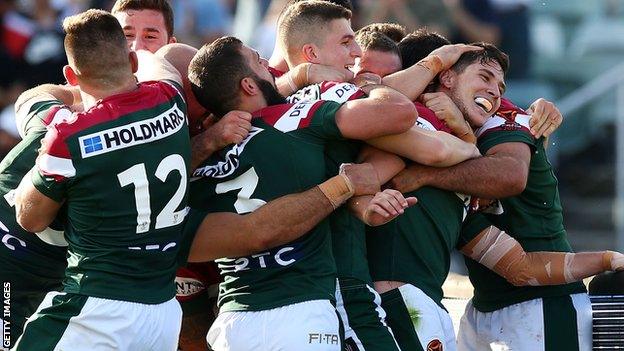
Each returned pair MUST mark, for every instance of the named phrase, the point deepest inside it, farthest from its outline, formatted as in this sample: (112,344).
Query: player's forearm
(202,146)
(278,222)
(155,67)
(411,81)
(486,177)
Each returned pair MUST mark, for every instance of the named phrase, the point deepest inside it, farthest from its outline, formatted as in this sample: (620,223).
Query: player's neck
(90,95)
(252,104)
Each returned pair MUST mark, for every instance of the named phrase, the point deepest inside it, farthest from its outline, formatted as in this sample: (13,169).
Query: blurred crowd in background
(555,47)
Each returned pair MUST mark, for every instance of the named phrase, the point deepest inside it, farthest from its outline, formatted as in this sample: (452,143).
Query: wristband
(607,257)
(337,190)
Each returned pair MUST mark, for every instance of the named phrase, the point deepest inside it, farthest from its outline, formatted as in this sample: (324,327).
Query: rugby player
(113,241)
(320,32)
(287,289)
(515,170)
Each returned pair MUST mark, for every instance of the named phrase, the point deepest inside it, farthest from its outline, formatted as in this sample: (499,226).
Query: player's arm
(279,221)
(385,205)
(155,67)
(385,111)
(432,148)
(413,80)
(502,172)
(68,95)
(501,253)
(34,211)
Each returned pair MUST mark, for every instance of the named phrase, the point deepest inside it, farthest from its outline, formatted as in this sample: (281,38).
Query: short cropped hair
(490,53)
(376,41)
(394,31)
(161,6)
(301,21)
(96,48)
(417,45)
(215,73)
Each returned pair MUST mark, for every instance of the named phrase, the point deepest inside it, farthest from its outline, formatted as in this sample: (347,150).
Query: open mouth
(484,103)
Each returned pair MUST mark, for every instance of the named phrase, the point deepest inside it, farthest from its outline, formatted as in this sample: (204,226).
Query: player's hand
(545,118)
(231,129)
(366,78)
(386,206)
(449,54)
(362,176)
(446,110)
(408,179)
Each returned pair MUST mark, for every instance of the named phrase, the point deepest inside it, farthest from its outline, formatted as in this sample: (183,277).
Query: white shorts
(77,322)
(548,324)
(431,322)
(305,326)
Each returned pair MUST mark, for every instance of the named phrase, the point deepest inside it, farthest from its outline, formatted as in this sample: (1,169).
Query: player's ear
(172,40)
(70,75)
(310,53)
(134,61)
(249,86)
(447,78)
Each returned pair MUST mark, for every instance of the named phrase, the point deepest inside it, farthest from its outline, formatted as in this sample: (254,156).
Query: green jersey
(283,154)
(534,218)
(415,247)
(121,168)
(348,232)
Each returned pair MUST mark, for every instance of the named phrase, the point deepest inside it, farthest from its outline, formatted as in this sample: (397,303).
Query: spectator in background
(503,23)
(410,13)
(201,21)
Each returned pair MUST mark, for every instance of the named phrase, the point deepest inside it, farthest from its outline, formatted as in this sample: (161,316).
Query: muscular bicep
(34,211)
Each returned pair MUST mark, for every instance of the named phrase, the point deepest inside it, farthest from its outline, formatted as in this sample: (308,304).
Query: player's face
(378,62)
(477,91)
(339,48)
(259,65)
(144,29)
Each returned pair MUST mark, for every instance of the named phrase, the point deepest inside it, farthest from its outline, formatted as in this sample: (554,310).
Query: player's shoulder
(339,92)
(508,118)
(290,116)
(427,119)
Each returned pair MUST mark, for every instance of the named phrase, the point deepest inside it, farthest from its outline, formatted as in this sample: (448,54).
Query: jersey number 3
(137,175)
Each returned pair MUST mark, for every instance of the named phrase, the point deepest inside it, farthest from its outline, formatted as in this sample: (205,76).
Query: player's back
(122,168)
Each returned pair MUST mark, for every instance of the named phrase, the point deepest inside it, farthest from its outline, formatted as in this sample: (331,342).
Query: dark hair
(417,45)
(299,22)
(376,41)
(161,6)
(394,31)
(490,53)
(215,73)
(347,4)
(91,38)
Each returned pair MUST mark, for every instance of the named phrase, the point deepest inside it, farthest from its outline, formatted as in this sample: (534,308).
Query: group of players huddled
(323,191)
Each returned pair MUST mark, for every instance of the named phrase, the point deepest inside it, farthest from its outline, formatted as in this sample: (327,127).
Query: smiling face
(144,29)
(476,90)
(338,48)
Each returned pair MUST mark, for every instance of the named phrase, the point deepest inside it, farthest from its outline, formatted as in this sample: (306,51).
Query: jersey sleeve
(310,120)
(498,130)
(54,167)
(36,113)
(474,224)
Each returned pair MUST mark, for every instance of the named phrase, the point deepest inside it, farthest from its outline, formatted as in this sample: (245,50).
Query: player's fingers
(411,201)
(465,48)
(398,196)
(379,210)
(537,112)
(392,204)
(543,127)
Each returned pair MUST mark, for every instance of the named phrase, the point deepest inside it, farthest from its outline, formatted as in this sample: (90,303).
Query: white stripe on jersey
(339,93)
(56,165)
(290,120)
(497,121)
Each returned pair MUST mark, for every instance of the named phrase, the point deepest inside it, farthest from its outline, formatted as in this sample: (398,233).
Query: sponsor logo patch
(435,345)
(137,133)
